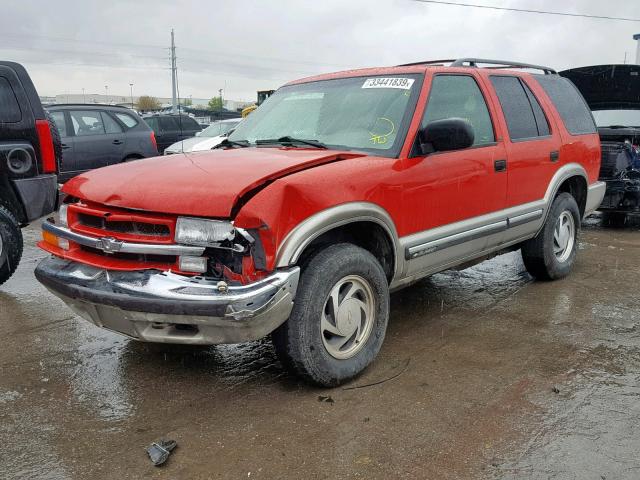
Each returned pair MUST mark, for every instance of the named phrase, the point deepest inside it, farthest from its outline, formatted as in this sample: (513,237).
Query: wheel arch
(572,175)
(364,224)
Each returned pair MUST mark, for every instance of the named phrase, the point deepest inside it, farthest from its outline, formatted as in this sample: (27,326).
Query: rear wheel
(552,253)
(339,318)
(10,244)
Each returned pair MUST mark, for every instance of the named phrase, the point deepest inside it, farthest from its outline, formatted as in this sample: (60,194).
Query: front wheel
(552,253)
(339,318)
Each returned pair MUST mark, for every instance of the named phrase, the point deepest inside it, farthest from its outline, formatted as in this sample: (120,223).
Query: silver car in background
(206,139)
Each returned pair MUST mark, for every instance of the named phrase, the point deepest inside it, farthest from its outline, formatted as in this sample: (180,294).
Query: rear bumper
(156,306)
(595,194)
(39,195)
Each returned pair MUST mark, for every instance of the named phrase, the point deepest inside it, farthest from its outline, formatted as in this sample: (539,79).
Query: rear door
(169,132)
(92,147)
(532,141)
(115,134)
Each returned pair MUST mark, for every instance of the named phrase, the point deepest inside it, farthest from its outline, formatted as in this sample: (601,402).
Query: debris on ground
(325,398)
(160,451)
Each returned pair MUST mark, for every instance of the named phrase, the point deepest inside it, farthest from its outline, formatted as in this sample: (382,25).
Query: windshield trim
(403,129)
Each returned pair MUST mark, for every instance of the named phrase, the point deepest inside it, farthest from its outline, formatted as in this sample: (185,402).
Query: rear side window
(127,119)
(86,122)
(458,96)
(524,115)
(571,106)
(189,123)
(58,119)
(9,108)
(167,124)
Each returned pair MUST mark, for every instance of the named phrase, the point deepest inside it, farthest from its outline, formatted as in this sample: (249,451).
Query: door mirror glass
(447,134)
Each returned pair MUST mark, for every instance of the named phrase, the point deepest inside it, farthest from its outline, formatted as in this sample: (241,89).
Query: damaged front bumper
(154,306)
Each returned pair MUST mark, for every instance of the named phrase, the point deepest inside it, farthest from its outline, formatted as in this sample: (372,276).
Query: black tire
(538,253)
(10,245)
(57,141)
(299,341)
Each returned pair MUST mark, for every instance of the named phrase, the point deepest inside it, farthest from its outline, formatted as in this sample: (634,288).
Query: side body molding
(314,226)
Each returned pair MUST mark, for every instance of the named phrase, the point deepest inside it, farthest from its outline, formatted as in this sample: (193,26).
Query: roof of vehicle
(608,87)
(88,105)
(422,66)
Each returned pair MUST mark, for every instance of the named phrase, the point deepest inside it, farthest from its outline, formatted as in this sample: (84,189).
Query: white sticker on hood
(389,82)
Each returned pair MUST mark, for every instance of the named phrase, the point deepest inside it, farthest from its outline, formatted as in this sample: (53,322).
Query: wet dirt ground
(489,375)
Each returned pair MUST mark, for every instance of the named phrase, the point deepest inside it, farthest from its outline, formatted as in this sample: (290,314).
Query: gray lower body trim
(595,194)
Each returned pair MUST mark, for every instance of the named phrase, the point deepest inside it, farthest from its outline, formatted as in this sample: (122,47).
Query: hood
(186,145)
(206,184)
(608,87)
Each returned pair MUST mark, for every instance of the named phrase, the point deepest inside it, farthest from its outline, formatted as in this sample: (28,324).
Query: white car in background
(206,139)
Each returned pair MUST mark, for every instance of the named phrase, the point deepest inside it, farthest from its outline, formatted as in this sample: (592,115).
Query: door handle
(500,165)
(65,146)
(117,142)
(554,156)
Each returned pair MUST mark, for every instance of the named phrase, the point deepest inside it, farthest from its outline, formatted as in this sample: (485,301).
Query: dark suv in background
(29,157)
(172,128)
(95,136)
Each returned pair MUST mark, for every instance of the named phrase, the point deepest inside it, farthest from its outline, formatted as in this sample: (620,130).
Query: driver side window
(458,96)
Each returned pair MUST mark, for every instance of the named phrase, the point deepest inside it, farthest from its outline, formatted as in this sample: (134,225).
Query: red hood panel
(205,184)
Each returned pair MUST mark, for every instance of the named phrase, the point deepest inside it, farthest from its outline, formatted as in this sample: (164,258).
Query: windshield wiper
(288,140)
(232,143)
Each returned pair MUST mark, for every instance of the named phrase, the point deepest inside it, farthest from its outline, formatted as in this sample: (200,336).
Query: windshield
(218,128)
(623,118)
(360,113)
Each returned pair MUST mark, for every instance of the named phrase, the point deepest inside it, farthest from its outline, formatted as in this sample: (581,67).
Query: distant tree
(187,102)
(215,104)
(147,103)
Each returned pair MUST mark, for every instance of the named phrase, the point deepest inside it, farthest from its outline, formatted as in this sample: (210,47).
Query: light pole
(84,99)
(131,86)
(106,93)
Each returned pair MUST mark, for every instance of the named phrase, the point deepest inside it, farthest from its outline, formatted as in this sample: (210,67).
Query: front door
(455,197)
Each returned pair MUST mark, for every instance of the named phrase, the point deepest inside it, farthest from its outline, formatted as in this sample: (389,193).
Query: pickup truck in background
(30,154)
(337,190)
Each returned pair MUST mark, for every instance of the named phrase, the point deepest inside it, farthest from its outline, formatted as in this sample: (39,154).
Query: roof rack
(97,105)
(473,62)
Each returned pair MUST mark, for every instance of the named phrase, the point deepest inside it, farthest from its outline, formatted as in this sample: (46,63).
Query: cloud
(251,45)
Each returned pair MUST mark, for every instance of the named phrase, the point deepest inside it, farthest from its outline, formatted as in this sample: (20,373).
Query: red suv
(339,189)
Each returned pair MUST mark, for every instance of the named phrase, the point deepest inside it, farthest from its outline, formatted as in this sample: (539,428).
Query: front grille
(133,257)
(133,228)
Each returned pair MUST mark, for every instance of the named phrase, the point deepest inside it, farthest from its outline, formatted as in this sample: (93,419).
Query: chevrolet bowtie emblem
(109,245)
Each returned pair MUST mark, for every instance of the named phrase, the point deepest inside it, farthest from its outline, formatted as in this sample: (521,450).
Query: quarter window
(110,125)
(10,109)
(524,115)
(127,119)
(458,96)
(570,104)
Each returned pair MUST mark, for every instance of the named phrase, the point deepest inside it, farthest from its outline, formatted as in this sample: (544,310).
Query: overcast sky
(251,45)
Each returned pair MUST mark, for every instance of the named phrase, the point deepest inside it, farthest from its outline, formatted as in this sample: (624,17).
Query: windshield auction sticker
(388,82)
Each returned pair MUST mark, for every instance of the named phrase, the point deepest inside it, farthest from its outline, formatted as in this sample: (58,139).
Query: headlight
(203,233)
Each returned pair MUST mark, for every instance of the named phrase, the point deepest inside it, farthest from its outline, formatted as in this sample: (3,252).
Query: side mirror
(198,134)
(447,134)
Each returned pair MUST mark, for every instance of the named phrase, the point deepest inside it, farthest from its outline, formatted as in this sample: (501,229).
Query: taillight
(48,156)
(153,140)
